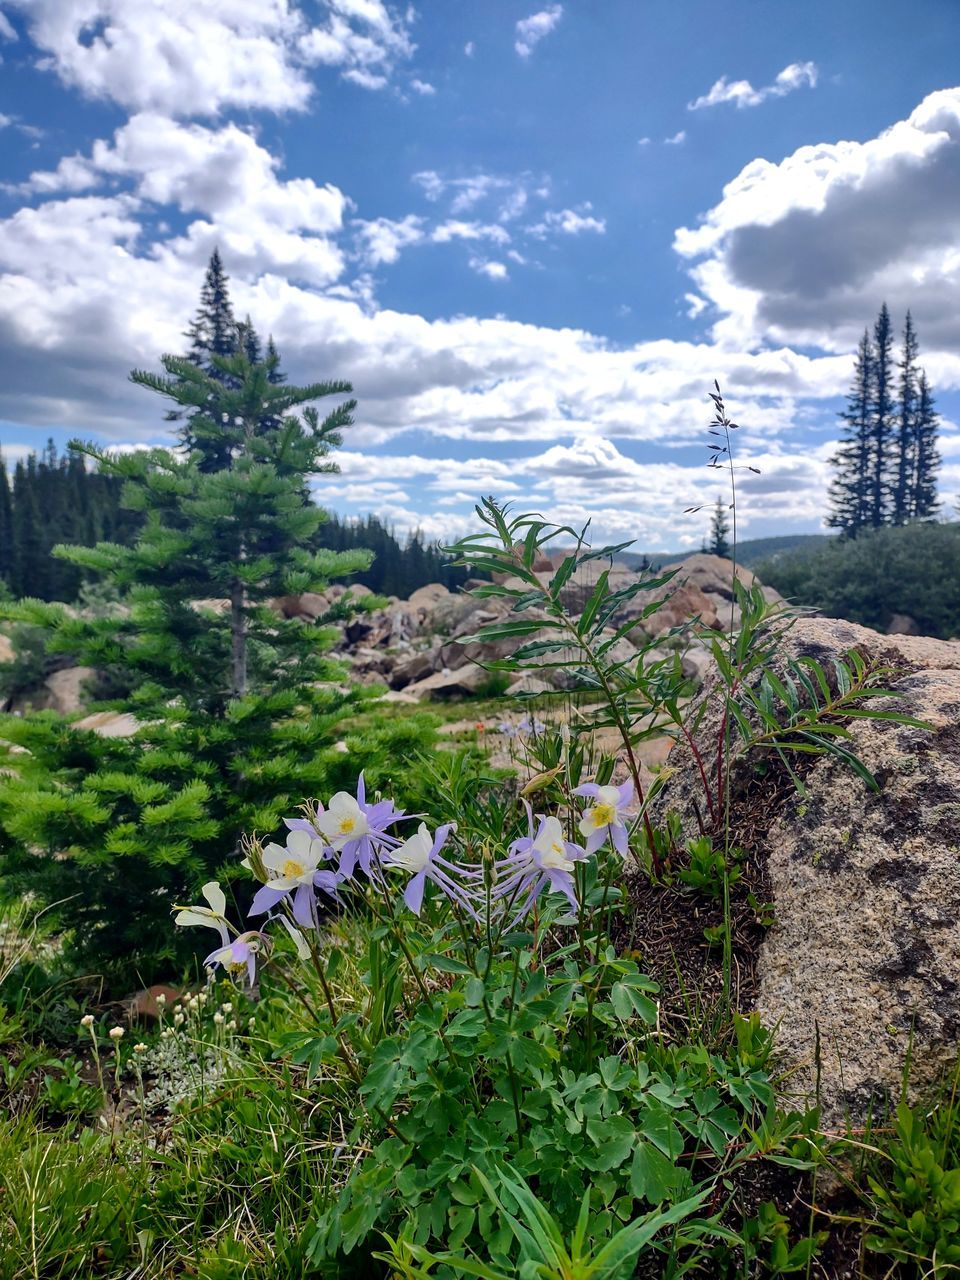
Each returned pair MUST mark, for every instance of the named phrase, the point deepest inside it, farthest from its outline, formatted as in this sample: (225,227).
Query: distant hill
(749,553)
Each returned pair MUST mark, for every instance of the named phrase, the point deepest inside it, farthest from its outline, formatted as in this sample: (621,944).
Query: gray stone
(864,954)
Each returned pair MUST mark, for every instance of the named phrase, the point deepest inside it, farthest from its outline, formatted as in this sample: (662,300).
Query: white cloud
(224,175)
(383,238)
(423,88)
(530,31)
(200,57)
(182,57)
(743,94)
(643,142)
(805,251)
(695,304)
(570,222)
(492,270)
(470,48)
(5,120)
(6,28)
(457,229)
(677,140)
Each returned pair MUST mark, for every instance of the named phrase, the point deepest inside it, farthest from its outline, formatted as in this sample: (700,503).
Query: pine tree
(882,417)
(213,333)
(905,451)
(7,561)
(719,531)
(248,342)
(239,710)
(850,489)
(923,502)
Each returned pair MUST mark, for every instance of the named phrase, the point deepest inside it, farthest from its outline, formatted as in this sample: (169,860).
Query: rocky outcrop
(864,956)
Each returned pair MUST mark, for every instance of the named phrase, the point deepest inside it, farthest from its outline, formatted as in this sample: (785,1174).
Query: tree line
(61,498)
(51,498)
(885,470)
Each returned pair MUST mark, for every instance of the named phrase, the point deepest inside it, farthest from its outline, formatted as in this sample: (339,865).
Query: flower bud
(87,1020)
(115,1033)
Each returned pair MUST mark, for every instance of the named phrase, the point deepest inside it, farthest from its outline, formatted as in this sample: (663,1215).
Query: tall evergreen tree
(906,430)
(7,563)
(882,417)
(923,495)
(213,332)
(719,531)
(239,711)
(850,488)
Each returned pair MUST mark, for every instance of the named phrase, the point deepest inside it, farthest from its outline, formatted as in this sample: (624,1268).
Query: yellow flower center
(347,825)
(557,848)
(604,814)
(292,868)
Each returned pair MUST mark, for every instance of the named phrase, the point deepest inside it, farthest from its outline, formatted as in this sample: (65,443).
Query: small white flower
(140,1048)
(161,999)
(227,1008)
(202,997)
(87,1020)
(178,1018)
(232,1024)
(115,1033)
(218,1019)
(251,1023)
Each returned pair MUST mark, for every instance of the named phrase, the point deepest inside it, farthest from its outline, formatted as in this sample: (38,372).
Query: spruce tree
(882,417)
(850,488)
(905,451)
(239,710)
(7,563)
(923,502)
(719,531)
(213,333)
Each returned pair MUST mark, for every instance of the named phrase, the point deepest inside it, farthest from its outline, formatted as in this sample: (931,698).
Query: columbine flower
(240,955)
(531,725)
(357,830)
(507,729)
(606,817)
(294,867)
(211,916)
(420,855)
(545,860)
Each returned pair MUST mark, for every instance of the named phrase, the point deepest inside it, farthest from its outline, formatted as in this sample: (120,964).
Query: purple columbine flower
(535,862)
(357,830)
(295,870)
(507,729)
(531,725)
(607,816)
(420,855)
(240,955)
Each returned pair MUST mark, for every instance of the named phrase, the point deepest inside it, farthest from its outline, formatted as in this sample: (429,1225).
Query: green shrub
(912,570)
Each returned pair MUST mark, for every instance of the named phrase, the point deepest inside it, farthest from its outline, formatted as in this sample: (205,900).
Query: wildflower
(294,869)
(227,1007)
(211,916)
(420,855)
(606,817)
(161,998)
(87,1020)
(507,729)
(240,955)
(531,725)
(232,1024)
(115,1033)
(357,830)
(217,1019)
(140,1047)
(535,862)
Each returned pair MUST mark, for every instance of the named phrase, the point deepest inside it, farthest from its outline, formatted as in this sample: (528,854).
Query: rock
(145,1005)
(449,683)
(428,597)
(309,607)
(711,574)
(397,695)
(901,624)
(210,606)
(528,682)
(414,667)
(109,724)
(6,649)
(64,689)
(696,663)
(865,947)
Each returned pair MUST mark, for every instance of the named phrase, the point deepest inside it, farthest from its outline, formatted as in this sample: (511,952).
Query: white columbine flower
(211,916)
(343,820)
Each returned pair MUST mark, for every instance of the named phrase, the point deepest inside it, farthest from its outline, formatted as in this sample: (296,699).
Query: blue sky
(530,234)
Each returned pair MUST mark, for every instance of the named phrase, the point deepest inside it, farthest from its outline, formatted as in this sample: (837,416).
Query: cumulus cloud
(261,222)
(492,270)
(384,238)
(742,93)
(530,31)
(569,222)
(423,88)
(805,251)
(6,28)
(200,57)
